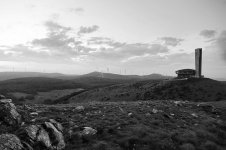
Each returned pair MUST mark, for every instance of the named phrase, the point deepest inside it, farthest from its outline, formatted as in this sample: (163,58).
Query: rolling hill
(127,77)
(39,89)
(191,89)
(14,75)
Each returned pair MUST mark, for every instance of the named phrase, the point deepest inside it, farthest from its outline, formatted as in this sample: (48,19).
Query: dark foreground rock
(43,136)
(8,113)
(25,133)
(10,142)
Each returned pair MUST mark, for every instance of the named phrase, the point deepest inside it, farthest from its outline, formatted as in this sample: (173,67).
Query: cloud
(86,30)
(171,41)
(57,39)
(104,41)
(208,33)
(221,44)
(138,49)
(77,10)
(126,52)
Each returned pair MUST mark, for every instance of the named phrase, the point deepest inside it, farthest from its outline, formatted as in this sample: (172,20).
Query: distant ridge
(153,76)
(14,75)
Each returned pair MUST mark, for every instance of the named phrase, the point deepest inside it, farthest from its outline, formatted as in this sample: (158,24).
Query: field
(191,89)
(141,125)
(43,97)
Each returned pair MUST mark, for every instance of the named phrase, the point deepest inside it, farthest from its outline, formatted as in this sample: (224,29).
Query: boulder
(208,108)
(43,136)
(187,146)
(56,124)
(88,131)
(2,96)
(28,134)
(10,142)
(8,113)
(57,138)
(79,108)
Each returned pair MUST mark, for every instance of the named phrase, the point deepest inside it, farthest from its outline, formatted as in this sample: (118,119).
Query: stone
(34,114)
(5,101)
(130,114)
(8,113)
(43,136)
(10,142)
(208,108)
(154,111)
(194,115)
(44,139)
(56,124)
(2,97)
(187,146)
(57,137)
(29,134)
(80,108)
(88,131)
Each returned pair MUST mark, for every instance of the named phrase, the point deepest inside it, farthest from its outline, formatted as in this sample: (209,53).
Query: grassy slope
(42,84)
(168,129)
(192,89)
(31,86)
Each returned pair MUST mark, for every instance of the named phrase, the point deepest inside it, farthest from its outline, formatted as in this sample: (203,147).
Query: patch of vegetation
(134,125)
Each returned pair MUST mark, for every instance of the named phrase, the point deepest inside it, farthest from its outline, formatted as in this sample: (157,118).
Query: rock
(187,146)
(34,134)
(44,139)
(2,97)
(8,113)
(154,111)
(29,134)
(34,114)
(5,101)
(210,145)
(194,115)
(44,136)
(208,108)
(88,131)
(179,103)
(147,114)
(56,124)
(80,108)
(130,114)
(10,142)
(57,138)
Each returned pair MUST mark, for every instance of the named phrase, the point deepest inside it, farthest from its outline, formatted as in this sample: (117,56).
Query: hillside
(141,125)
(14,75)
(33,88)
(191,89)
(32,85)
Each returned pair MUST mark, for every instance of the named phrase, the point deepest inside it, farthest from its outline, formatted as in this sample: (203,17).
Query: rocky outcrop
(47,135)
(8,113)
(10,142)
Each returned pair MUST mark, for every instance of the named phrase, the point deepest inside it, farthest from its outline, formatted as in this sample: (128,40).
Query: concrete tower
(198,62)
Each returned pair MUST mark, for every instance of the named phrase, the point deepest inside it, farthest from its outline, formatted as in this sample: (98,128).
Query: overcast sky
(127,36)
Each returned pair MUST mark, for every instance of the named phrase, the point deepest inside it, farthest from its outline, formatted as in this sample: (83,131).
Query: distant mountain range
(14,75)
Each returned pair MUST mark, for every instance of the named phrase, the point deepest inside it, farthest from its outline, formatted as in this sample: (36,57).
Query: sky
(116,36)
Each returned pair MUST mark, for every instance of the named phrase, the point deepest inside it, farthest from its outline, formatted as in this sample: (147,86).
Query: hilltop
(192,90)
